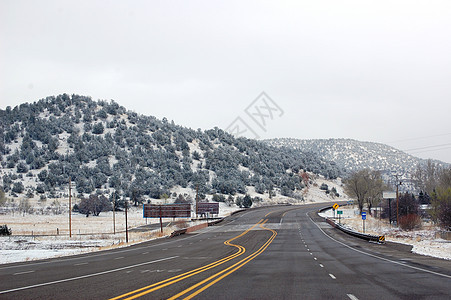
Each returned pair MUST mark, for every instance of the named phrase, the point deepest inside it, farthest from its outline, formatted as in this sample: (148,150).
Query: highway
(282,252)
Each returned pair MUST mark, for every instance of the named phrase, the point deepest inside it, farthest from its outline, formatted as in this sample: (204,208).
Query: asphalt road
(283,252)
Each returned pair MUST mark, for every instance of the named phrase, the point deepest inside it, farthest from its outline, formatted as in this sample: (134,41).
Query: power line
(419,138)
(427,147)
(439,149)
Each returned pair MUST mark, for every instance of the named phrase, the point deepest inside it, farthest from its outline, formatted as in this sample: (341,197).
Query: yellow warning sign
(382,239)
(335,206)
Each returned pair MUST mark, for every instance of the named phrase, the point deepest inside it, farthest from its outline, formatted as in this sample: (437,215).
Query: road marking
(229,270)
(25,272)
(321,265)
(352,297)
(81,264)
(175,270)
(375,256)
(156,286)
(332,276)
(144,253)
(85,276)
(120,257)
(315,258)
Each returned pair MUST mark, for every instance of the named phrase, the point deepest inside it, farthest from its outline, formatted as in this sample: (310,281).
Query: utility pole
(398,183)
(197,197)
(70,208)
(126,224)
(161,221)
(114,212)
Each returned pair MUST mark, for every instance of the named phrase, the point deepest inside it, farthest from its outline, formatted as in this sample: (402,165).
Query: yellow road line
(156,286)
(229,270)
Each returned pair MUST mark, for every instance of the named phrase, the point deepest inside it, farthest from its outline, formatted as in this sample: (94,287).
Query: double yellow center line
(204,284)
(208,282)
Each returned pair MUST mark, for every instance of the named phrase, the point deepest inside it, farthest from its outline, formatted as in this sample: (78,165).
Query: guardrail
(192,228)
(371,238)
(215,222)
(178,232)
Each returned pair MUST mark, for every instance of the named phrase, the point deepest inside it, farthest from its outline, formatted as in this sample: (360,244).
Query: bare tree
(375,188)
(445,178)
(427,176)
(356,186)
(441,200)
(366,186)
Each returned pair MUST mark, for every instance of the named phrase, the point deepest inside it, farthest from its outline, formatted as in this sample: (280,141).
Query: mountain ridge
(352,155)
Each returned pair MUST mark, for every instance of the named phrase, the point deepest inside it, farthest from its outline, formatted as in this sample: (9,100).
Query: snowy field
(47,236)
(424,241)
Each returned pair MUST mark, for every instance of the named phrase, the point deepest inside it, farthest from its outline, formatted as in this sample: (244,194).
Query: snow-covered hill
(351,155)
(105,149)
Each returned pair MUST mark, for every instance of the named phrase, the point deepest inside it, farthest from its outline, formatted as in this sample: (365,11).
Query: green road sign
(339,212)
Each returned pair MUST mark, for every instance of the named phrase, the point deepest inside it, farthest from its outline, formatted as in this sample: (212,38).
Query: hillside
(107,149)
(351,155)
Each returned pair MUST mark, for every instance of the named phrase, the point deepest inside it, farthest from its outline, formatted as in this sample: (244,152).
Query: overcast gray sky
(368,70)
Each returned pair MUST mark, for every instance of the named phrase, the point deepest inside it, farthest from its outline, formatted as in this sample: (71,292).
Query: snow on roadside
(424,241)
(18,248)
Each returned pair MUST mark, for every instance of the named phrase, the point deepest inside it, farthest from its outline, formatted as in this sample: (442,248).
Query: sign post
(335,207)
(363,220)
(389,196)
(339,213)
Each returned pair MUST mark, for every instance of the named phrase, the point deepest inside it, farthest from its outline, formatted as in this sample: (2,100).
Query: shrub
(218,198)
(18,187)
(409,222)
(4,230)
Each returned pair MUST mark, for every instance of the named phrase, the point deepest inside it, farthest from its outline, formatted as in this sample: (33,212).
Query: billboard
(167,210)
(204,207)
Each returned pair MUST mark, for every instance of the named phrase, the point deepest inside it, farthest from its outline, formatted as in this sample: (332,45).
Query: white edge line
(84,276)
(375,256)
